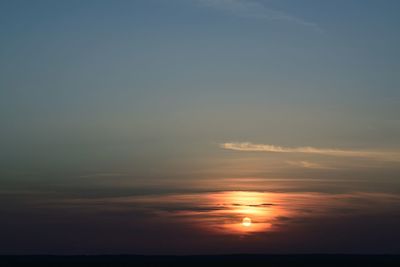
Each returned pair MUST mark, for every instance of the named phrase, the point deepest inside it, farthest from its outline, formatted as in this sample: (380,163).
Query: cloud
(255,10)
(103,174)
(308,165)
(250,147)
(247,146)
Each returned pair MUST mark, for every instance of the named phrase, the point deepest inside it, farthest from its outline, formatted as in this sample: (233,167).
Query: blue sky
(153,88)
(102,73)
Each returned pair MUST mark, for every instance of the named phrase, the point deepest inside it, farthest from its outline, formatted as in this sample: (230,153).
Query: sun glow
(246,222)
(251,212)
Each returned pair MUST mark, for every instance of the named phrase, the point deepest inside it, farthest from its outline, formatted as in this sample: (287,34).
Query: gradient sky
(109,99)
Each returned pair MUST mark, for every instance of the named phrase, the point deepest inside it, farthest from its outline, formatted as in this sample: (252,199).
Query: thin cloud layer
(250,147)
(308,165)
(255,10)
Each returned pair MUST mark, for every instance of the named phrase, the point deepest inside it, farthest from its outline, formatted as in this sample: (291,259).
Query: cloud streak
(250,147)
(255,10)
(308,165)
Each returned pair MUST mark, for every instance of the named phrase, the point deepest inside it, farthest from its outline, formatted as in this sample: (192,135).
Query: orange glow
(243,212)
(247,212)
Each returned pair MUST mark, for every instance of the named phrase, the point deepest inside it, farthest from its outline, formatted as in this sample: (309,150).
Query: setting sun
(246,222)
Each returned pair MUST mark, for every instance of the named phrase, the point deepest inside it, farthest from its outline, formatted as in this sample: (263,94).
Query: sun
(246,222)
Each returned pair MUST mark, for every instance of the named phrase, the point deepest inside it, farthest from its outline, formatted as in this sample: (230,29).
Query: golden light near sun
(246,222)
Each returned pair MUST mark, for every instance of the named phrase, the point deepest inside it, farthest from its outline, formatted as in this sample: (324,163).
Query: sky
(166,118)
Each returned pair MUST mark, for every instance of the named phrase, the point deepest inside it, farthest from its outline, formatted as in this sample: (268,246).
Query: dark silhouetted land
(220,260)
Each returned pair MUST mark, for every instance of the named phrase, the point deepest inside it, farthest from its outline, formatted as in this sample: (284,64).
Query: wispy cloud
(308,165)
(250,147)
(103,175)
(255,10)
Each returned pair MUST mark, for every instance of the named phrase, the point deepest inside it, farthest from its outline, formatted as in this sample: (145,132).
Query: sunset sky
(157,126)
